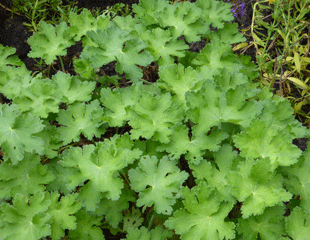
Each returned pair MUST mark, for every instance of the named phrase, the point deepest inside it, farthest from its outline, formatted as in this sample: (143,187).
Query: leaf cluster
(201,153)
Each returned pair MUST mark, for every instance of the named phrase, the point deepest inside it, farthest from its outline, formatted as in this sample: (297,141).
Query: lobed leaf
(127,57)
(264,140)
(113,210)
(179,80)
(202,217)
(146,8)
(298,224)
(71,89)
(50,42)
(269,225)
(214,12)
(193,146)
(81,118)
(154,116)
(61,212)
(182,19)
(100,167)
(143,234)
(26,177)
(211,107)
(256,193)
(216,175)
(7,59)
(87,226)
(162,46)
(39,98)
(26,219)
(158,182)
(20,133)
(80,24)
(14,80)
(118,103)
(298,181)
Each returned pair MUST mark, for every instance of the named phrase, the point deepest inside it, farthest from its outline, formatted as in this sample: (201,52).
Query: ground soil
(14,34)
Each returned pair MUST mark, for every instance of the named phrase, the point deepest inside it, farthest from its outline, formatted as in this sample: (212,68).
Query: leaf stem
(62,64)
(150,223)
(125,177)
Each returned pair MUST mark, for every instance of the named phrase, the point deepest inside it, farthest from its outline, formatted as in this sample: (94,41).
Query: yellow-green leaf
(258,40)
(297,61)
(298,82)
(240,46)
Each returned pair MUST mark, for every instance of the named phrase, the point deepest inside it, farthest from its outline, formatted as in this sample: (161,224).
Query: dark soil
(14,34)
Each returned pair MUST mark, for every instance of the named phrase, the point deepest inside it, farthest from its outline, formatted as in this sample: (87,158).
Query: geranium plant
(201,153)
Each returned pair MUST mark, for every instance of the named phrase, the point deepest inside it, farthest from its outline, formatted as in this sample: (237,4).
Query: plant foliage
(201,153)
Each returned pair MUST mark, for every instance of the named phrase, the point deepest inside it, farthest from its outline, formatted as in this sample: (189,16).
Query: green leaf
(60,182)
(83,68)
(298,224)
(61,212)
(100,167)
(163,47)
(27,177)
(87,227)
(26,219)
(143,234)
(102,39)
(228,34)
(215,55)
(216,175)
(7,59)
(265,140)
(81,118)
(14,80)
(132,219)
(256,193)
(51,138)
(50,42)
(213,12)
(193,146)
(149,147)
(17,133)
(178,80)
(132,25)
(298,181)
(211,107)
(230,80)
(40,98)
(113,210)
(80,24)
(158,182)
(278,111)
(146,8)
(268,226)
(182,19)
(154,117)
(127,57)
(248,67)
(118,102)
(71,89)
(202,216)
